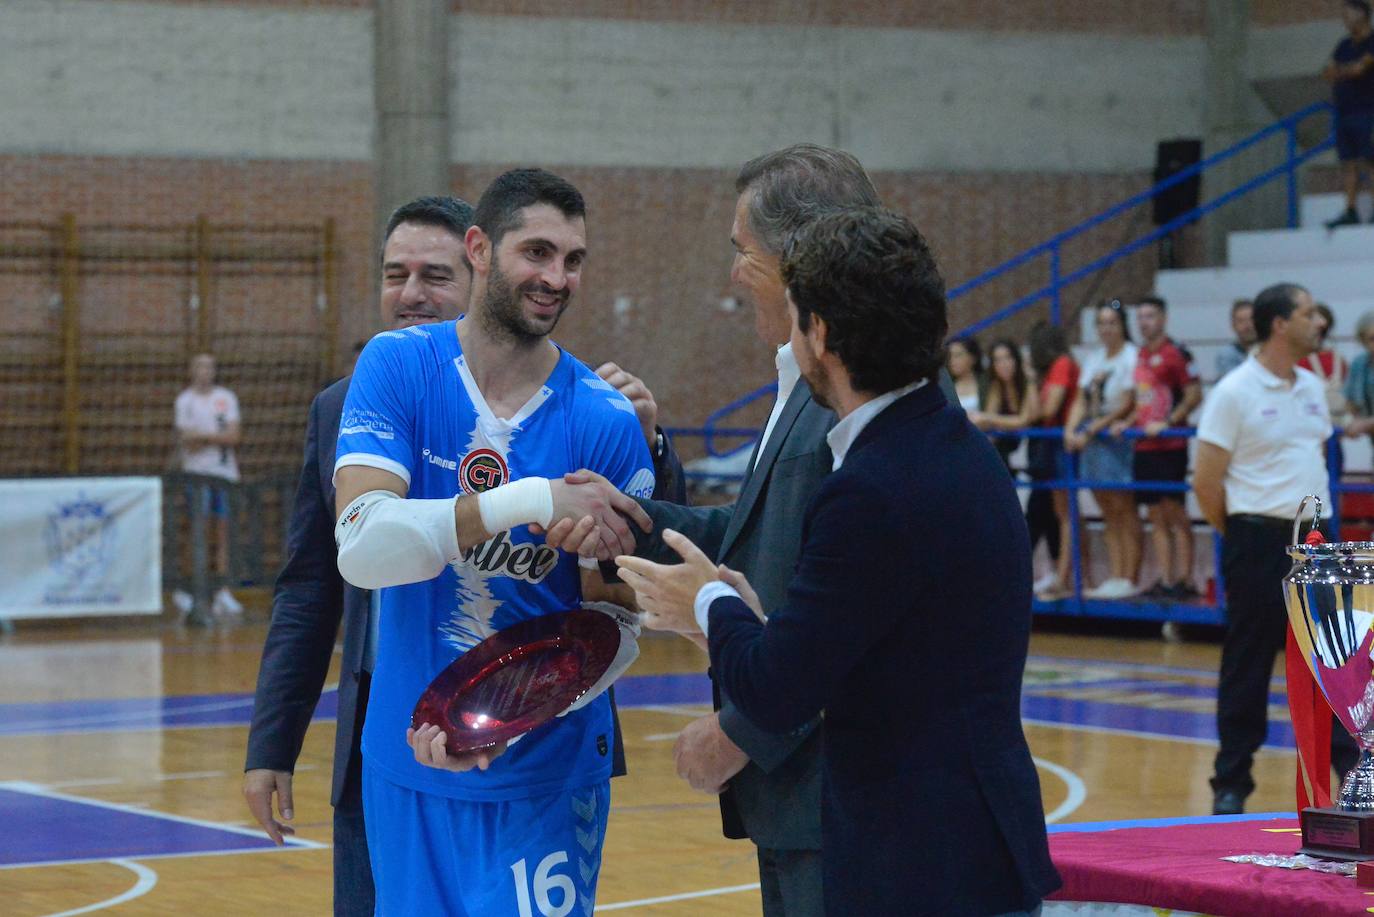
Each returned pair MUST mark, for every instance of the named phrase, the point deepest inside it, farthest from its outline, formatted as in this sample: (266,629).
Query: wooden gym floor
(121,751)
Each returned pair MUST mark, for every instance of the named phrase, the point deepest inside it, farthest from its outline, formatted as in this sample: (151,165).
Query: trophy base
(1337,834)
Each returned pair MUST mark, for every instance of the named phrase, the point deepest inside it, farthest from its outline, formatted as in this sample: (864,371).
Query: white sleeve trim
(368,460)
(708,594)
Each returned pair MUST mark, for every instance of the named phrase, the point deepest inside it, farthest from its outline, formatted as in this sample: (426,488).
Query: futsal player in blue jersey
(454,440)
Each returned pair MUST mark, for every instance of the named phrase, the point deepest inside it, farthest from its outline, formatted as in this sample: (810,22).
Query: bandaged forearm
(386,540)
(517,503)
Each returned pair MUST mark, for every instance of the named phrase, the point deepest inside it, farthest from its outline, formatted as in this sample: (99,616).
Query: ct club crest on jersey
(482,469)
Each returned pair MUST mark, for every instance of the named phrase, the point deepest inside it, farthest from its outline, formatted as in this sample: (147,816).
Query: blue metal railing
(1052,248)
(1205,612)
(710,429)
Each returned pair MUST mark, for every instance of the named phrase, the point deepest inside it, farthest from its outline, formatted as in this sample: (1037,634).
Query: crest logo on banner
(482,469)
(80,545)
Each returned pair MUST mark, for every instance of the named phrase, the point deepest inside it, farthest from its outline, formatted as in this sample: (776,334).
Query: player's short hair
(870,276)
(1277,301)
(1360,5)
(795,185)
(498,211)
(1241,304)
(1153,300)
(449,213)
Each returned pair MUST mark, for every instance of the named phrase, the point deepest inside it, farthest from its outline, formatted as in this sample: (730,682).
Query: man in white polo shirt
(1261,449)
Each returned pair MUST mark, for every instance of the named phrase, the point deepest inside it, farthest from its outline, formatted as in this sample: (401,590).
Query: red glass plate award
(518,678)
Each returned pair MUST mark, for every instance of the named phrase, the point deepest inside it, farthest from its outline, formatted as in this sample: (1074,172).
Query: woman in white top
(1108,388)
(965,362)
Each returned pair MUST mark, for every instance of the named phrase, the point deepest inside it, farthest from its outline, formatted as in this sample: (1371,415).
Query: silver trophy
(1330,598)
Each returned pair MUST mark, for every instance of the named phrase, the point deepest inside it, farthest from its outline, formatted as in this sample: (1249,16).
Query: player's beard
(503,314)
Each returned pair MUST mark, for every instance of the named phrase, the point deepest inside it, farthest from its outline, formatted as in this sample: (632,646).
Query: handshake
(592,519)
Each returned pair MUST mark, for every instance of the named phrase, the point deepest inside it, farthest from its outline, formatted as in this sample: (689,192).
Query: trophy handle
(1316,516)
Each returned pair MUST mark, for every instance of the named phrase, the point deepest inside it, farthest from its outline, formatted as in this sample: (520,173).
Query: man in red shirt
(1167,390)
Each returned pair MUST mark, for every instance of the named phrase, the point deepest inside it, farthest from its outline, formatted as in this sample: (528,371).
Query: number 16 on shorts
(554,893)
(563,882)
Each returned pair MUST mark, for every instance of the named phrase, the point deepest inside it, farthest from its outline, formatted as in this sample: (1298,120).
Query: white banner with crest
(80,546)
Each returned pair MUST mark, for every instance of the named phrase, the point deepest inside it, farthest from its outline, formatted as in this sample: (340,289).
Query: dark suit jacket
(907,621)
(310,599)
(775,800)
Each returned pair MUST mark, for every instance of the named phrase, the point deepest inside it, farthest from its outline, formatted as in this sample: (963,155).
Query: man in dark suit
(907,618)
(769,782)
(425,278)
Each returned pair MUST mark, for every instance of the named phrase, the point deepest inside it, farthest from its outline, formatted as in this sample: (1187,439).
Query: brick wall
(1288,12)
(658,237)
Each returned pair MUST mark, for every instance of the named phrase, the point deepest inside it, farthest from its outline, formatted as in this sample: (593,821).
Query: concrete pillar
(411,87)
(1231,112)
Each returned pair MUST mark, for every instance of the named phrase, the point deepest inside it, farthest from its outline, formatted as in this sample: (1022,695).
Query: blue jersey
(414,409)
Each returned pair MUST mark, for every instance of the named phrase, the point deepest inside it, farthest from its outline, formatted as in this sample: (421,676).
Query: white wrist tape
(517,503)
(625,655)
(385,540)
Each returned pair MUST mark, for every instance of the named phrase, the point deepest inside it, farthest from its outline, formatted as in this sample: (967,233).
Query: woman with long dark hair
(964,360)
(1010,402)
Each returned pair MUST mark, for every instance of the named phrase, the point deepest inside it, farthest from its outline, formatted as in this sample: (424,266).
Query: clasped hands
(587,521)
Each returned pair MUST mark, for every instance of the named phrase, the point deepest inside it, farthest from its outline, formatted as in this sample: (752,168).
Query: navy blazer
(907,621)
(311,598)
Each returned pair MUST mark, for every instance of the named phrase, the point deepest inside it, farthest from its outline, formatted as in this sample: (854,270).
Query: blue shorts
(1354,136)
(534,857)
(1108,461)
(214,501)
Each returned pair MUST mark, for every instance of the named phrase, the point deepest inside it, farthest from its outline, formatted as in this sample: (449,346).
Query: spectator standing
(1359,384)
(1058,376)
(1350,71)
(1011,402)
(1260,451)
(1243,324)
(1327,365)
(1167,390)
(1108,395)
(208,428)
(965,363)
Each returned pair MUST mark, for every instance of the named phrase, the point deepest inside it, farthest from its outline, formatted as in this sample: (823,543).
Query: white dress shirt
(788,374)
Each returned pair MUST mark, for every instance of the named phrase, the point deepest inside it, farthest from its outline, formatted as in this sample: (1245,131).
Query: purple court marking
(43,827)
(1167,724)
(216,710)
(657,690)
(126,714)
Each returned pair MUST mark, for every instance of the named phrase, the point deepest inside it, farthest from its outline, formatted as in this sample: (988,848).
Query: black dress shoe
(1227,802)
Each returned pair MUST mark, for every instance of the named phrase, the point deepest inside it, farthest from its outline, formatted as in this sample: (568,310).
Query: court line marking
(705,893)
(34,789)
(147,880)
(1077,790)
